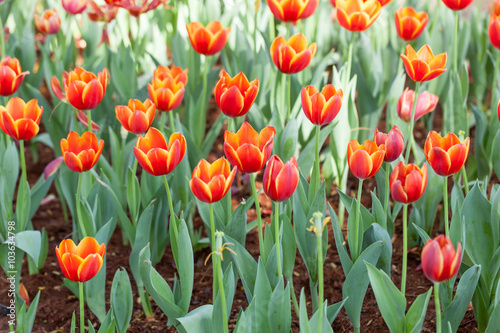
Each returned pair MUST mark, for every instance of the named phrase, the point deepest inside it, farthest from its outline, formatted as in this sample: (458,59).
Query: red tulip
(294,55)
(357,15)
(447,154)
(423,65)
(235,96)
(494,30)
(80,263)
(155,156)
(384,2)
(409,23)
(81,153)
(496,7)
(457,4)
(365,160)
(105,13)
(498,109)
(166,89)
(20,120)
(137,117)
(280,180)
(136,9)
(11,76)
(321,108)
(74,7)
(292,10)
(408,182)
(247,149)
(209,40)
(49,23)
(211,182)
(393,141)
(426,103)
(440,261)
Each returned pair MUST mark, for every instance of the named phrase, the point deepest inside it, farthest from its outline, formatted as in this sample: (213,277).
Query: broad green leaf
(122,301)
(416,314)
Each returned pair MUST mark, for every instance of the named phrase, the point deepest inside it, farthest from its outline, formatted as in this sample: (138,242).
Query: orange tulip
(294,55)
(357,15)
(393,142)
(20,120)
(409,23)
(247,149)
(321,107)
(447,154)
(209,40)
(457,4)
(292,10)
(162,73)
(496,7)
(105,13)
(49,23)
(440,261)
(81,153)
(280,180)
(137,117)
(136,9)
(11,76)
(494,30)
(166,90)
(426,103)
(155,156)
(408,182)
(365,160)
(384,2)
(235,96)
(84,90)
(74,7)
(80,263)
(211,182)
(423,65)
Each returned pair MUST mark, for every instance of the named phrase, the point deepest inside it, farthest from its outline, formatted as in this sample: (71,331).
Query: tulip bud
(357,15)
(457,4)
(494,30)
(365,160)
(409,23)
(49,23)
(80,263)
(81,153)
(423,65)
(426,103)
(211,182)
(440,261)
(235,96)
(321,108)
(447,154)
(393,141)
(11,76)
(294,55)
(207,40)
(74,7)
(280,180)
(408,182)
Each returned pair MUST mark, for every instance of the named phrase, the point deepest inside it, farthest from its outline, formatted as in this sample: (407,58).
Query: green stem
(445,206)
(494,83)
(405,249)
(387,189)
(319,239)
(316,180)
(349,59)
(253,176)
(466,180)
(294,297)
(438,307)
(229,124)
(288,96)
(284,111)
(214,255)
(78,209)
(24,177)
(171,207)
(355,246)
(171,120)
(277,236)
(205,80)
(2,41)
(412,123)
(146,304)
(212,228)
(222,293)
(82,303)
(455,42)
(255,34)
(162,121)
(89,121)
(341,203)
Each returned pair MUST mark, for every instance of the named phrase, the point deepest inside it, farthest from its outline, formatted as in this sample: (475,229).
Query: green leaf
(345,260)
(303,319)
(23,204)
(416,314)
(246,265)
(279,310)
(334,309)
(377,233)
(30,241)
(122,301)
(494,322)
(198,321)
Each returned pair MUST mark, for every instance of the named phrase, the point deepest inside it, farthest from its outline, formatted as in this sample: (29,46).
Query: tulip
(408,182)
(84,90)
(384,2)
(494,30)
(207,40)
(357,15)
(74,7)
(393,142)
(447,154)
(426,103)
(294,55)
(365,160)
(409,23)
(11,76)
(105,13)
(155,156)
(167,93)
(20,120)
(162,73)
(457,4)
(496,7)
(211,182)
(321,107)
(136,9)
(292,10)
(235,96)
(137,117)
(81,153)
(423,65)
(440,261)
(498,109)
(49,23)
(80,263)
(247,149)
(280,180)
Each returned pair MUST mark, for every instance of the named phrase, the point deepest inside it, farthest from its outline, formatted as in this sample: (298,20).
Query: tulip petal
(92,94)
(71,263)
(89,267)
(87,246)
(458,154)
(200,190)
(287,181)
(231,102)
(432,260)
(439,161)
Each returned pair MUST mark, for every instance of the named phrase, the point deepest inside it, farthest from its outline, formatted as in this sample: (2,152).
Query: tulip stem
(171,207)
(82,303)
(355,246)
(89,121)
(316,182)
(2,41)
(288,96)
(222,293)
(171,120)
(455,49)
(277,236)
(255,31)
(24,177)
(412,123)
(387,189)
(438,307)
(349,59)
(445,206)
(78,208)
(253,176)
(162,121)
(494,83)
(319,239)
(466,180)
(405,249)
(214,255)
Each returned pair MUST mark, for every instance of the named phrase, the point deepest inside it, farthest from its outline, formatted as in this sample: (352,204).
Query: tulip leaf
(262,295)
(376,233)
(289,247)
(229,288)
(303,318)
(378,211)
(494,322)
(133,194)
(30,241)
(334,309)
(121,300)
(306,157)
(421,232)
(279,309)
(339,242)
(142,233)
(416,314)
(23,204)
(108,325)
(289,138)
(198,321)
(184,261)
(326,327)
(38,192)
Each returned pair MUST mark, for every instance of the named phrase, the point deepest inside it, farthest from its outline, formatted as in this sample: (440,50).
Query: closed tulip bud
(409,23)
(408,182)
(280,180)
(294,55)
(155,156)
(81,153)
(136,117)
(457,4)
(494,30)
(423,65)
(80,263)
(207,40)
(20,120)
(393,141)
(74,7)
(447,154)
(49,23)
(426,103)
(11,76)
(440,261)
(321,107)
(365,160)
(247,149)
(292,11)
(235,96)
(211,182)
(357,15)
